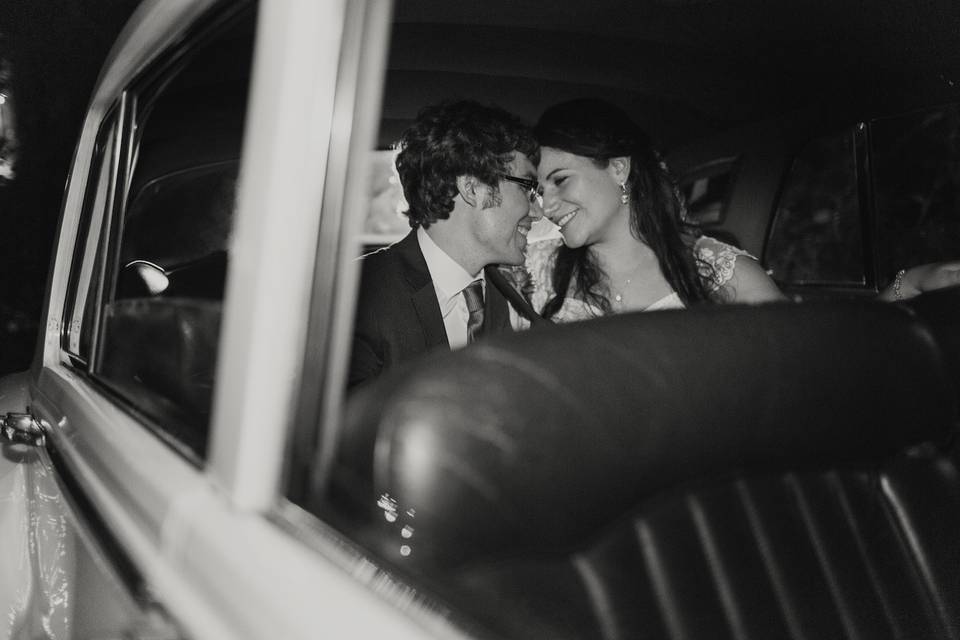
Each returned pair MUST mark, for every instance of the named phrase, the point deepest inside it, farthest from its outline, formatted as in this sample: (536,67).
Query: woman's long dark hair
(600,131)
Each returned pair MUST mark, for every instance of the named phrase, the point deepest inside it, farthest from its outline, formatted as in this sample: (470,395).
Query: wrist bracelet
(897,283)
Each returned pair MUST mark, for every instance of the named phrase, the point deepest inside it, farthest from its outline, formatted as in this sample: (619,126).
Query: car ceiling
(684,68)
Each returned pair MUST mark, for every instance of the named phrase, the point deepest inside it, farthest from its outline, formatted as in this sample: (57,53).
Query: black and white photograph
(480,319)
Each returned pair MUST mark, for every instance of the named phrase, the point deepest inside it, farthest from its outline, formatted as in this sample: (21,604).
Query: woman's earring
(624,194)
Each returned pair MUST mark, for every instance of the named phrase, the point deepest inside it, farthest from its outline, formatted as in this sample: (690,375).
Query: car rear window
(916,187)
(816,236)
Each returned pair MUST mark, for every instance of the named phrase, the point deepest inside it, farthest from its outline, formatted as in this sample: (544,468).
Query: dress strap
(717,260)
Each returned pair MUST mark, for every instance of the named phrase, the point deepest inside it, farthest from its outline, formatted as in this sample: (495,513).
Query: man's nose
(535,210)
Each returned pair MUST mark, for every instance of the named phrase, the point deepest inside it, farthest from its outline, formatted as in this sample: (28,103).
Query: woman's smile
(563,220)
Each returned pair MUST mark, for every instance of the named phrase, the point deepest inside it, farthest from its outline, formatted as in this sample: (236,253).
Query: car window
(706,190)
(384,222)
(167,248)
(916,187)
(816,236)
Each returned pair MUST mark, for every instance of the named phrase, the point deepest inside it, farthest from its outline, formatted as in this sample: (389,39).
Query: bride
(626,246)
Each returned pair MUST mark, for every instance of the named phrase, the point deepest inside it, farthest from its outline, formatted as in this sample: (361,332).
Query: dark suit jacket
(398,316)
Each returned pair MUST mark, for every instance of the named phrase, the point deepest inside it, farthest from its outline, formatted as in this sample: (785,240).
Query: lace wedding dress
(718,256)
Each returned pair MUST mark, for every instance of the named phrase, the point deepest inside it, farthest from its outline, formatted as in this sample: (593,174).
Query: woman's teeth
(567,218)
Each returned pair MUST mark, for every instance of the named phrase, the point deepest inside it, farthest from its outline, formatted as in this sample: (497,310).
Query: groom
(468,178)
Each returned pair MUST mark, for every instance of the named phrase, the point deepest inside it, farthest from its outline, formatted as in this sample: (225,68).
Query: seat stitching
(659,580)
(603,609)
(915,552)
(721,580)
(816,537)
(774,572)
(841,492)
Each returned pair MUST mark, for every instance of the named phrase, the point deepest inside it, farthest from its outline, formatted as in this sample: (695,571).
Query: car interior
(784,471)
(738,96)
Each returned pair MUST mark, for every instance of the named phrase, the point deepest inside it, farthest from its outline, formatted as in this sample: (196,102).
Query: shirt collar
(449,278)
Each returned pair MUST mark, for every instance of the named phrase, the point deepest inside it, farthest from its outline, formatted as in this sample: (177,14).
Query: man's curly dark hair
(451,139)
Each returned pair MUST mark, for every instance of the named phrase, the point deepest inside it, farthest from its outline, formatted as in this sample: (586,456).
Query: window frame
(861,175)
(128,114)
(335,285)
(336,274)
(91,224)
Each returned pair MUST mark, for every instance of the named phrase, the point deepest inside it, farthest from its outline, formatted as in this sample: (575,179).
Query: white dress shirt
(449,281)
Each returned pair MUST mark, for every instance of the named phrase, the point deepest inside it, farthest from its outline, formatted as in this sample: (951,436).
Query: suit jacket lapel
(422,293)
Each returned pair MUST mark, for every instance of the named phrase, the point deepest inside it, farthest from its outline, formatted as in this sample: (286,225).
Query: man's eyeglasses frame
(532,187)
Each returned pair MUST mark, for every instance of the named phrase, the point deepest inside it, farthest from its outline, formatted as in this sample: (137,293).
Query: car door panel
(57,579)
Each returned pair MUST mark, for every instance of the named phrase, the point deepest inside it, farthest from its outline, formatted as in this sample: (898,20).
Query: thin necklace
(618,297)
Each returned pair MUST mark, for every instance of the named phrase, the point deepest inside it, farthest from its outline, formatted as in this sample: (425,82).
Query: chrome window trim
(91,230)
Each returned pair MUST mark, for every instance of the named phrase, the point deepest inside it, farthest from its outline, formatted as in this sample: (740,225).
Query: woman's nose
(550,205)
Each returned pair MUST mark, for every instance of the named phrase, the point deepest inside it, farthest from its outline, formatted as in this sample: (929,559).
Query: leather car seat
(940,309)
(783,471)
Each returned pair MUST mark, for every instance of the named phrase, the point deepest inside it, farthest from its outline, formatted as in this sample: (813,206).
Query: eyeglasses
(532,187)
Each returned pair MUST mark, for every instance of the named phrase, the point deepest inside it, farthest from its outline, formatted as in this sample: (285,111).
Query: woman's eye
(559,180)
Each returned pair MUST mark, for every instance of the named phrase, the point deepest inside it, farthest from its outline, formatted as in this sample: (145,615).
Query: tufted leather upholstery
(748,473)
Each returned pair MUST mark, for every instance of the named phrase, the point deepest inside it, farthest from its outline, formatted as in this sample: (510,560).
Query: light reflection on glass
(389,506)
(392,514)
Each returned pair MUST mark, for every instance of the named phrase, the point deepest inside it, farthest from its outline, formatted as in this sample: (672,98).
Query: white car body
(218,551)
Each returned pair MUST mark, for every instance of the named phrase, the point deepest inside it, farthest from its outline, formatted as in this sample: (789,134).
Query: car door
(61,575)
(207,186)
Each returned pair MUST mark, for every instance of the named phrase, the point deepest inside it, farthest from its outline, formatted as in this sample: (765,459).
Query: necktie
(473,294)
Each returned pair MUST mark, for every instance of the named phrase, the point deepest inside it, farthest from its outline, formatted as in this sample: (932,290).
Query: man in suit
(470,183)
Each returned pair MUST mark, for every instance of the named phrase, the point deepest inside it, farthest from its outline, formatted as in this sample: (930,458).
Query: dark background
(55,49)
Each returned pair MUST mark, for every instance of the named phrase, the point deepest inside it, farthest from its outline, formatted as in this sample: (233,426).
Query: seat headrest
(533,441)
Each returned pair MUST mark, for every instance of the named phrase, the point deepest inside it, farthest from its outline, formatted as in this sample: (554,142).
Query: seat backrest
(647,475)
(940,310)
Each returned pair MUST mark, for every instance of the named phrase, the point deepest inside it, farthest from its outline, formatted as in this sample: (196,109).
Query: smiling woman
(626,242)
(713,472)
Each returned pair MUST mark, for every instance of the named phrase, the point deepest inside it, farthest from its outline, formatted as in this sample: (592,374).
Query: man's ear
(620,167)
(470,190)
